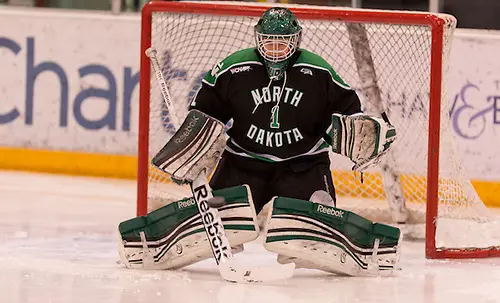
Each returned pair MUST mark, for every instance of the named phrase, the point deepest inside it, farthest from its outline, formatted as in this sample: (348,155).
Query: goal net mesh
(189,45)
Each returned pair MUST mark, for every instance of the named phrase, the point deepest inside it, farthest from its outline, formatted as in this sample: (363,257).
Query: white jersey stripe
(313,151)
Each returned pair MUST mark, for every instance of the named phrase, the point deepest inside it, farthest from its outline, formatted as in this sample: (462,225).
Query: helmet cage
(277,48)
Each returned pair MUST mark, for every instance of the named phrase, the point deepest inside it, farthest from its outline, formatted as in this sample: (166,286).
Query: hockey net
(396,61)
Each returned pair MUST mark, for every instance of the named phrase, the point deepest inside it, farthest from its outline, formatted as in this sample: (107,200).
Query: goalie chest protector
(276,120)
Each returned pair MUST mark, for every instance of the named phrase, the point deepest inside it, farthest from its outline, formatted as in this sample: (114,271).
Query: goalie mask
(277,35)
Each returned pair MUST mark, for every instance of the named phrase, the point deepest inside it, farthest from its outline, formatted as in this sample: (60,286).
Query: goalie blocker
(195,147)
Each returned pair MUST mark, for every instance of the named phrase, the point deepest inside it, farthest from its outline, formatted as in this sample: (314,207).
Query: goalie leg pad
(330,239)
(195,147)
(173,236)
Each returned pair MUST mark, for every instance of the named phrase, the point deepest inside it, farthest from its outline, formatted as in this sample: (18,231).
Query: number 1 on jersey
(275,116)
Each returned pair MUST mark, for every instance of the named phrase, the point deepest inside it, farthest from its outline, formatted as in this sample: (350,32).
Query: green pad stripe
(330,233)
(166,218)
(167,237)
(357,229)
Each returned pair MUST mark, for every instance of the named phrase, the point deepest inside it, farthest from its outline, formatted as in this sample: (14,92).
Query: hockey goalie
(289,109)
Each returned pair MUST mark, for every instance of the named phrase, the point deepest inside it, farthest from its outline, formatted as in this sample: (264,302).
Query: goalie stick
(211,219)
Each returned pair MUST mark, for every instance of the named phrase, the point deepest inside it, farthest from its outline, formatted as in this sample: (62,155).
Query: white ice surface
(57,244)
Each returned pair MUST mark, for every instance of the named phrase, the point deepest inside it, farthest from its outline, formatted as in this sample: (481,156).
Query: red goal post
(408,54)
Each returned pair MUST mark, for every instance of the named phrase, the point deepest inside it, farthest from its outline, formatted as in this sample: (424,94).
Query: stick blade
(241,274)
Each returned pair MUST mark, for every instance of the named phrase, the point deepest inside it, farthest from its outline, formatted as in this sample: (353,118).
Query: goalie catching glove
(195,147)
(361,138)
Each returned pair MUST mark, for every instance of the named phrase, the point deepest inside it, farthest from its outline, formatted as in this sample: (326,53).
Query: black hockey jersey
(275,120)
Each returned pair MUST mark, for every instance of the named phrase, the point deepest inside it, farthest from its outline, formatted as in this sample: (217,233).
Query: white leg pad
(312,244)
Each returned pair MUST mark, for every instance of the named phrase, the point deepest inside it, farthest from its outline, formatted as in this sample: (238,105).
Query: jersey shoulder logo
(306,71)
(216,68)
(238,69)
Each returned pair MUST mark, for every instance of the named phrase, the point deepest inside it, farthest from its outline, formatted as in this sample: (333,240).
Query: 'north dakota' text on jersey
(274,139)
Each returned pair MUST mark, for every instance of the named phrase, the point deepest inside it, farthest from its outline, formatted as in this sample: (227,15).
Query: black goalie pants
(297,178)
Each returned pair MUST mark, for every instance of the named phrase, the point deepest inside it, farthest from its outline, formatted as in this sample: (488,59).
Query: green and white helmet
(277,35)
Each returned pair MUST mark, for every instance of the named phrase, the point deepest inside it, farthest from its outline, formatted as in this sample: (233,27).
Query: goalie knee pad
(173,236)
(330,239)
